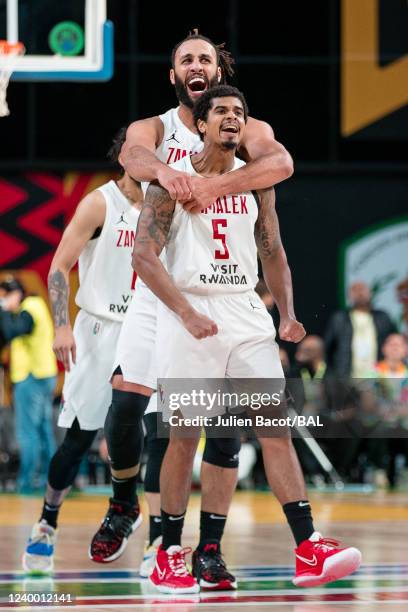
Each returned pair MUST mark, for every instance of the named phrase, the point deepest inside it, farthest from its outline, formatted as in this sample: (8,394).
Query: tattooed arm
(152,231)
(275,266)
(89,215)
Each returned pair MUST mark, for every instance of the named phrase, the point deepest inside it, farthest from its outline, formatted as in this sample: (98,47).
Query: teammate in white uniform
(212,324)
(197,65)
(100,236)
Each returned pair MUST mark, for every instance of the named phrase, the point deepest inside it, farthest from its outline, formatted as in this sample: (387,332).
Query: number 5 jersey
(214,252)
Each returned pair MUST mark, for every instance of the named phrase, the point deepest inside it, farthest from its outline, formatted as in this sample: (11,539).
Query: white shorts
(135,352)
(87,392)
(244,347)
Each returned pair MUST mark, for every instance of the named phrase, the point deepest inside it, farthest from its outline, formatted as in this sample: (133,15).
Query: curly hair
(203,104)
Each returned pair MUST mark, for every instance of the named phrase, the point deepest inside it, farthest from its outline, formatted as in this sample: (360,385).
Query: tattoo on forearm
(58,291)
(155,217)
(267,226)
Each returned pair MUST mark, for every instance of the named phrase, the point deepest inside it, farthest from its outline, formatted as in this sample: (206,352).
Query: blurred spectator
(402,295)
(354,337)
(265,295)
(310,368)
(26,323)
(306,392)
(309,358)
(395,351)
(392,372)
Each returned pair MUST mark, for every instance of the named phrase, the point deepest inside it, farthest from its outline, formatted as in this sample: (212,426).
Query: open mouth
(197,85)
(229,128)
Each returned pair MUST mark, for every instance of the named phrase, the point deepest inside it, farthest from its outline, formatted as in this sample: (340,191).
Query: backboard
(64,40)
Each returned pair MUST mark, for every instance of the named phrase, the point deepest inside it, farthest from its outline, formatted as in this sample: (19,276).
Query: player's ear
(172,77)
(219,74)
(201,126)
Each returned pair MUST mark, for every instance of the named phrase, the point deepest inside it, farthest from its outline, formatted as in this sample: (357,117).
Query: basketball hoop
(8,55)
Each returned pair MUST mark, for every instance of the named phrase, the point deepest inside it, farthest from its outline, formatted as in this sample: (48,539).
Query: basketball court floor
(257,545)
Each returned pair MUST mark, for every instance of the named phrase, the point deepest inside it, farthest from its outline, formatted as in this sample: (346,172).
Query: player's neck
(186,116)
(131,190)
(213,161)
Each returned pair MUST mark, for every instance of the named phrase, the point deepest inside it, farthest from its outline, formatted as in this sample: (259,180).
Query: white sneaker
(38,557)
(149,558)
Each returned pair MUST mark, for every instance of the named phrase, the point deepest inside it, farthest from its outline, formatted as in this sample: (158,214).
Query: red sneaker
(320,560)
(170,574)
(109,542)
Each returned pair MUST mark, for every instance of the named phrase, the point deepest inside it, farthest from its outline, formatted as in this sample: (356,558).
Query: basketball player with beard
(151,145)
(100,237)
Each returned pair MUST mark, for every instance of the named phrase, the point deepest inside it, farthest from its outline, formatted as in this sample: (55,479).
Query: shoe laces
(326,544)
(42,536)
(177,562)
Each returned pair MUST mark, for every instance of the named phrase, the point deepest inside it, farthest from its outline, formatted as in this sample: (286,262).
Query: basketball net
(8,55)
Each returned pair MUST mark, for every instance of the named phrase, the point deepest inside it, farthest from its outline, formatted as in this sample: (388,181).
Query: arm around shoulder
(259,141)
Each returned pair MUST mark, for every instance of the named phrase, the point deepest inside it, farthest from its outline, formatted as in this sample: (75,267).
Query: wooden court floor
(257,546)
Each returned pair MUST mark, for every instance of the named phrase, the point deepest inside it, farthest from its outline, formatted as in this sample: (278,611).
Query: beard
(182,91)
(229,146)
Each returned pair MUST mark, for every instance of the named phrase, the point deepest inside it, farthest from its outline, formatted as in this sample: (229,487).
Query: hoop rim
(9,48)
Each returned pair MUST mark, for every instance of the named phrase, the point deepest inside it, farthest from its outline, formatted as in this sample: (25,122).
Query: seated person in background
(394,364)
(309,359)
(392,372)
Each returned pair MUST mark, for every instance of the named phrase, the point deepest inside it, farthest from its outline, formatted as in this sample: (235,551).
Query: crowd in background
(367,424)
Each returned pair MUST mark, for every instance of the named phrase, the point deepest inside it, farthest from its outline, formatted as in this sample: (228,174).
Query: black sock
(124,490)
(172,527)
(211,527)
(155,528)
(300,519)
(50,514)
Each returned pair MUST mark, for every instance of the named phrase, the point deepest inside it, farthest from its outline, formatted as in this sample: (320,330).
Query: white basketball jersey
(105,265)
(178,141)
(214,252)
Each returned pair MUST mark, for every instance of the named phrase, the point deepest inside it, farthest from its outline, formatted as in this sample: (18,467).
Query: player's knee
(184,448)
(222,452)
(124,430)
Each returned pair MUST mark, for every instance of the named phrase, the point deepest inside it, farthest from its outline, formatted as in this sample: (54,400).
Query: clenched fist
(199,325)
(203,194)
(291,330)
(176,183)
